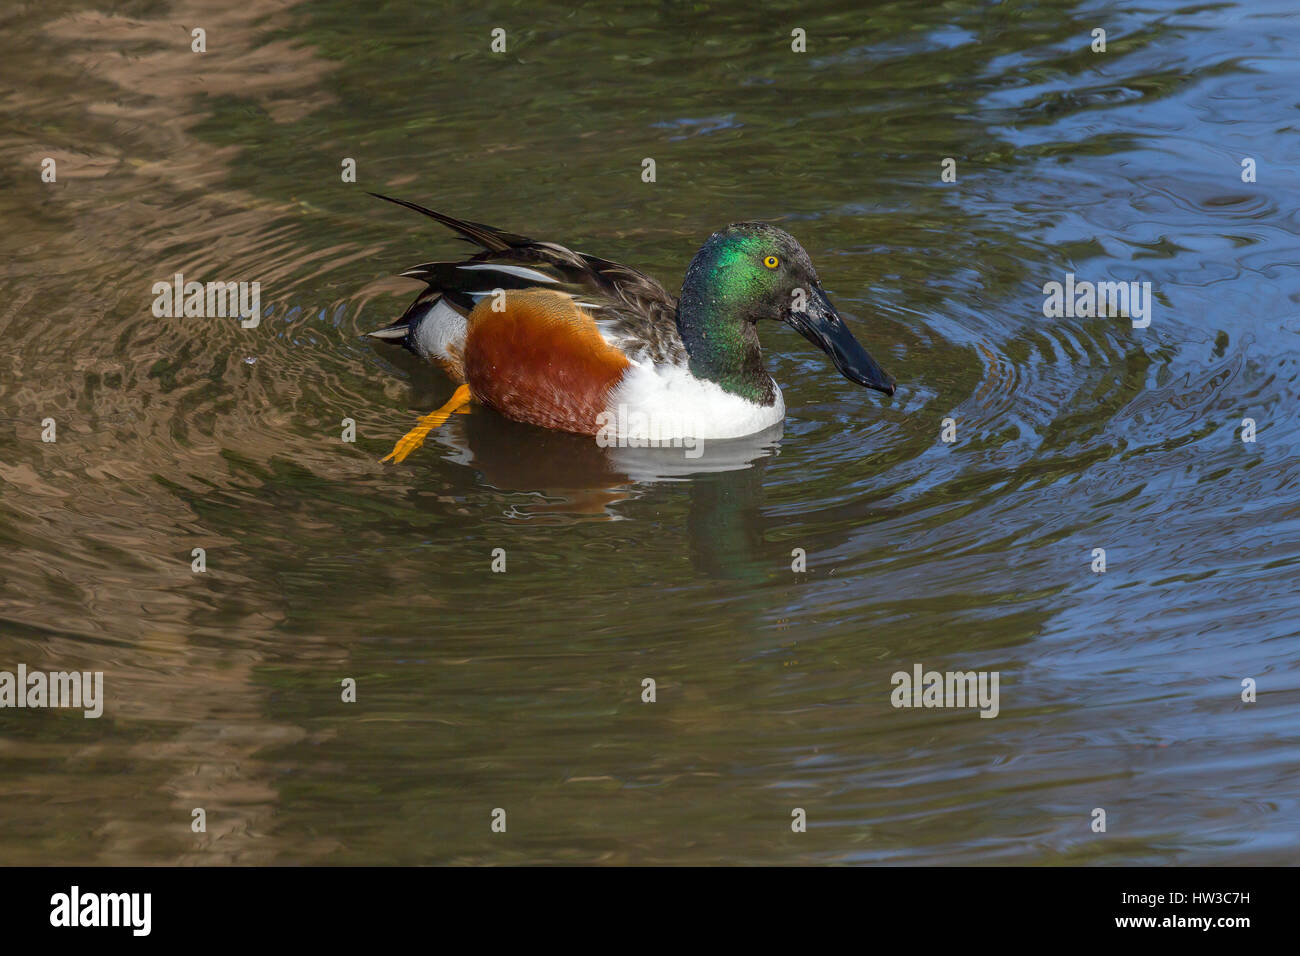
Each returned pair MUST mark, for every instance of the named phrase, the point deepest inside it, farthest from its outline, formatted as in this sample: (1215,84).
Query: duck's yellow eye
(771,262)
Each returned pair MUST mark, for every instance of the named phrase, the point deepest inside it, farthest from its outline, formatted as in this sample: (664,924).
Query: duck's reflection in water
(572,474)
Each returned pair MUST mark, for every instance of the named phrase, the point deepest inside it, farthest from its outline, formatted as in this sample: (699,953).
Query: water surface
(522,690)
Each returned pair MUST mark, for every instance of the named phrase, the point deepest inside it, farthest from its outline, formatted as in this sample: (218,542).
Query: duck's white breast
(665,402)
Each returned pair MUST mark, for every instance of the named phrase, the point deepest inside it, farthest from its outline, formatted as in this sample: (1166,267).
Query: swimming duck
(556,338)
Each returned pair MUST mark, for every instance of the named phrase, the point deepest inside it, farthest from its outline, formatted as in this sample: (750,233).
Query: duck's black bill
(822,325)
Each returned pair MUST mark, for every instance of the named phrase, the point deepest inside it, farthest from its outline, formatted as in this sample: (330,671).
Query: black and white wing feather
(631,309)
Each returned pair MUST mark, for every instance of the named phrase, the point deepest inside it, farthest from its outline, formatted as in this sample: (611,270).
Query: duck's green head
(751,271)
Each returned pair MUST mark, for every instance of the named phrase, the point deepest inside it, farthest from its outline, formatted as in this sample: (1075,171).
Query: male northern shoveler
(564,340)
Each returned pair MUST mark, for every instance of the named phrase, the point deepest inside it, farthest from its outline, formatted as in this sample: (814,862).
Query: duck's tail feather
(400,331)
(489,237)
(433,329)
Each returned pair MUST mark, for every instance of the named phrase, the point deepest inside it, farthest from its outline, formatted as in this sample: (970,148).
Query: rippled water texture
(522,690)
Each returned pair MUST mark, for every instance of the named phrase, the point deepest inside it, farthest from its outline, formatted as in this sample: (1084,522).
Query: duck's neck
(721,339)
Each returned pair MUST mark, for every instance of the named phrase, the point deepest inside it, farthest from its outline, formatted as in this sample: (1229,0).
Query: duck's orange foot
(416,436)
